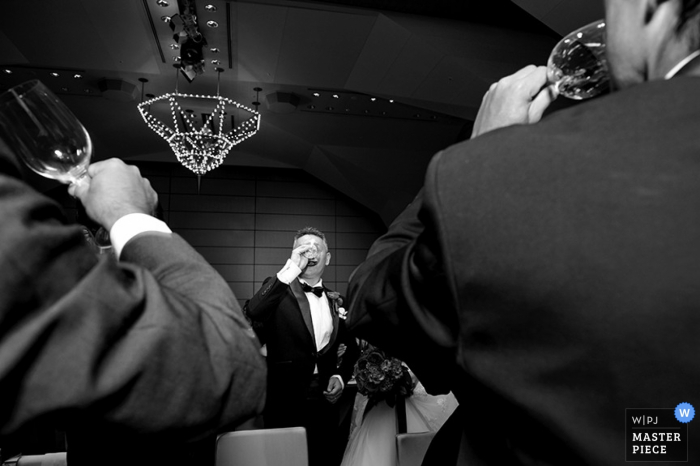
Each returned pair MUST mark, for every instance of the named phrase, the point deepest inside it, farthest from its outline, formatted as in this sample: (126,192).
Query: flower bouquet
(381,377)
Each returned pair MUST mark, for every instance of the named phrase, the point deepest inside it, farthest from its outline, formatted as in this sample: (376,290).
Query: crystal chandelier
(200,146)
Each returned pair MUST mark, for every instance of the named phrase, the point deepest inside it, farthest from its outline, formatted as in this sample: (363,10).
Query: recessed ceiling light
(329,108)
(373,99)
(77,75)
(336,96)
(214,50)
(316,94)
(210,8)
(177,58)
(55,75)
(165,19)
(162,3)
(216,62)
(8,71)
(174,46)
(391,101)
(212,24)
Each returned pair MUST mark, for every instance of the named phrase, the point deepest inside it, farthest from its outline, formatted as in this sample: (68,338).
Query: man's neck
(311,281)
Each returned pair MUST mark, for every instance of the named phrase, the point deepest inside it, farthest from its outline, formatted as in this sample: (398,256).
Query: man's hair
(689,22)
(310,231)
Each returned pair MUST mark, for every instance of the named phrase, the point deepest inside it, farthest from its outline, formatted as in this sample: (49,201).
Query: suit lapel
(300,296)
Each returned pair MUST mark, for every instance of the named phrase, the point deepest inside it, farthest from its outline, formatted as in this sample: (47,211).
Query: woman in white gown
(373,439)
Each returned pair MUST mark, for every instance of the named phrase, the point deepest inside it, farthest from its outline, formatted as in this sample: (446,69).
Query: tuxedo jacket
(152,350)
(283,310)
(549,275)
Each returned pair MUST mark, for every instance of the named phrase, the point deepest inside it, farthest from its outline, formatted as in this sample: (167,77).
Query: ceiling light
(165,19)
(55,75)
(216,62)
(373,99)
(212,24)
(77,75)
(210,8)
(174,46)
(391,101)
(204,148)
(336,96)
(316,94)
(162,3)
(329,108)
(8,71)
(214,50)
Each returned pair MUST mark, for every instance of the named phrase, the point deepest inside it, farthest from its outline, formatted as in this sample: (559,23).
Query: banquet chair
(411,447)
(49,459)
(263,447)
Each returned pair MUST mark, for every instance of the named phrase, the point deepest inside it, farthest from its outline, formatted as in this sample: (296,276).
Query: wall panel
(243,220)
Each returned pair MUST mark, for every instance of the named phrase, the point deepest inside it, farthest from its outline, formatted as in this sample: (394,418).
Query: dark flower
(381,377)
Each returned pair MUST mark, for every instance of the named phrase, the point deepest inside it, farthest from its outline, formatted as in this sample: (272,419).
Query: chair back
(263,447)
(411,447)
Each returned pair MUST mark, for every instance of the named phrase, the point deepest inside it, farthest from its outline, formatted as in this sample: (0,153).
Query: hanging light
(199,147)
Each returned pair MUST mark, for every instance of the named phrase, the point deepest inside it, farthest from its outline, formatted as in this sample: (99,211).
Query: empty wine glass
(577,66)
(44,133)
(49,139)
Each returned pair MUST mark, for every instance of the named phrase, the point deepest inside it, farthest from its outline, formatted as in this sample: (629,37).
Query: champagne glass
(577,66)
(49,139)
(44,133)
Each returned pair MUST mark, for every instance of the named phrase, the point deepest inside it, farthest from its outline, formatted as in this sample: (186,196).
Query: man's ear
(328,258)
(653,6)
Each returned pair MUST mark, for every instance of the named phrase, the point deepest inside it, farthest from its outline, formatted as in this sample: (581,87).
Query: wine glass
(44,133)
(49,139)
(577,66)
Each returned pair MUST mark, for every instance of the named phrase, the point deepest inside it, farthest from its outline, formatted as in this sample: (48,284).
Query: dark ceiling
(396,80)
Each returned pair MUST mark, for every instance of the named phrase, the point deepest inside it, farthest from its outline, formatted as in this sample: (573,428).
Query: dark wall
(243,219)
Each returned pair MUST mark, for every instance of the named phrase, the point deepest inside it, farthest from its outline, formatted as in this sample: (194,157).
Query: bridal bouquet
(381,377)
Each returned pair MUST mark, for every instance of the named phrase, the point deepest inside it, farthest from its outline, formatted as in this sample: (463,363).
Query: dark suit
(283,310)
(549,275)
(133,358)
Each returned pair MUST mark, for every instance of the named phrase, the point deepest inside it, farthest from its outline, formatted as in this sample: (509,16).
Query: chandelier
(200,129)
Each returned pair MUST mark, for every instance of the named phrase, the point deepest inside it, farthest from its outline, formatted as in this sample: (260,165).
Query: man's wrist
(130,225)
(289,272)
(340,379)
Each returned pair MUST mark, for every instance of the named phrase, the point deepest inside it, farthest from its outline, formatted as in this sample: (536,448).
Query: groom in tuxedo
(303,330)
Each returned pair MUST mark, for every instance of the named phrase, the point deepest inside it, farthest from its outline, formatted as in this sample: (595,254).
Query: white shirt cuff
(131,225)
(289,272)
(342,385)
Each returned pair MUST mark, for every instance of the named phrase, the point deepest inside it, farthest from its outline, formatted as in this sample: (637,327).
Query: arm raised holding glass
(152,345)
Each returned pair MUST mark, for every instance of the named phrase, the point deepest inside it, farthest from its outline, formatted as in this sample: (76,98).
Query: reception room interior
(354,97)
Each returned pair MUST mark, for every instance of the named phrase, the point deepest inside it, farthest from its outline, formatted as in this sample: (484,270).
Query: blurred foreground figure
(548,271)
(133,358)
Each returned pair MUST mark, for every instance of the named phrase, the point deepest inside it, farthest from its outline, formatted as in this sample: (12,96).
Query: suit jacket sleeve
(400,299)
(266,301)
(155,343)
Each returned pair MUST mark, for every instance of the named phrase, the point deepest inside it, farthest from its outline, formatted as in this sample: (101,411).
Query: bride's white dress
(373,440)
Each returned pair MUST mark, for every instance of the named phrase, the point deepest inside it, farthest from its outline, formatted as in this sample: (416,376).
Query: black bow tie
(317,290)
